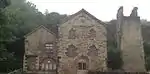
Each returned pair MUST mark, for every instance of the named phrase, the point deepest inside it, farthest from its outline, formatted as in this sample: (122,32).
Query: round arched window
(48,65)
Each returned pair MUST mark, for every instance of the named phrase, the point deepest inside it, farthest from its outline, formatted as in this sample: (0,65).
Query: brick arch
(92,46)
(83,57)
(47,58)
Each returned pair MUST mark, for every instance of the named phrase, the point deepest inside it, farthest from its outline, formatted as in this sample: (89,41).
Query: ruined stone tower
(131,43)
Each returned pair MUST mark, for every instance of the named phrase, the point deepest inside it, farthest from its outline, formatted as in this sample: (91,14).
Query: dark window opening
(82,66)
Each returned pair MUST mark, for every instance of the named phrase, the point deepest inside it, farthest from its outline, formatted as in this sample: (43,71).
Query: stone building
(130,41)
(82,44)
(40,51)
(79,45)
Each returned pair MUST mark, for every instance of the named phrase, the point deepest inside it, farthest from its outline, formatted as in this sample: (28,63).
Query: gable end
(90,15)
(41,26)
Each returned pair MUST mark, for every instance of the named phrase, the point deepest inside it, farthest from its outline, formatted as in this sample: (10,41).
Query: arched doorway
(48,65)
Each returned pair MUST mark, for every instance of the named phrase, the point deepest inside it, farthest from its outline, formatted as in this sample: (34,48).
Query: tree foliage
(114,54)
(5,37)
(16,20)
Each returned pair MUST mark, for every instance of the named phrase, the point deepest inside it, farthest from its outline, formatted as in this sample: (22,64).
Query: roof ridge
(86,12)
(38,27)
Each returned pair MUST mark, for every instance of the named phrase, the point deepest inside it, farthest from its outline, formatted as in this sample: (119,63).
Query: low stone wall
(90,72)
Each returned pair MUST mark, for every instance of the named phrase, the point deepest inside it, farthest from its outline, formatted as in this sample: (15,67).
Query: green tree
(5,36)
(114,55)
(53,18)
(21,17)
(17,20)
(4,3)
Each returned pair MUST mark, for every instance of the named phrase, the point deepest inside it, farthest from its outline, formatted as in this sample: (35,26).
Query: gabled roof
(38,27)
(90,15)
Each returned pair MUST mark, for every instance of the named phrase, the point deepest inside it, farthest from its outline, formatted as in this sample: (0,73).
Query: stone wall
(35,49)
(83,41)
(132,45)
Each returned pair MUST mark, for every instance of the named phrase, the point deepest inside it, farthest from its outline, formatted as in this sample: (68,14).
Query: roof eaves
(38,27)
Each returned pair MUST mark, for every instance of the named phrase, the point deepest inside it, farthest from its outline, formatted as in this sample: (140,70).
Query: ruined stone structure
(80,45)
(131,42)
(40,51)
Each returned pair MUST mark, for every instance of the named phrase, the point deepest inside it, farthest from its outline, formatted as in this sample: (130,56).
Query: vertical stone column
(25,64)
(132,45)
(37,63)
(25,57)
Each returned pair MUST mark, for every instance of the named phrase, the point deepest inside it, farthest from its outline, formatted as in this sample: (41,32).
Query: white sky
(104,10)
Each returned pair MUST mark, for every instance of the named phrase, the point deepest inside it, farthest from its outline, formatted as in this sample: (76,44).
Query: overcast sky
(104,10)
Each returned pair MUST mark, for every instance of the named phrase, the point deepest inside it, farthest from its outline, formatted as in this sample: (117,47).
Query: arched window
(71,51)
(48,65)
(92,33)
(72,33)
(31,62)
(82,63)
(82,66)
(92,51)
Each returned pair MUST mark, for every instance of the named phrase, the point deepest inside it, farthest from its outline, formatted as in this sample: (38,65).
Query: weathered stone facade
(88,33)
(132,45)
(130,42)
(37,53)
(81,46)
